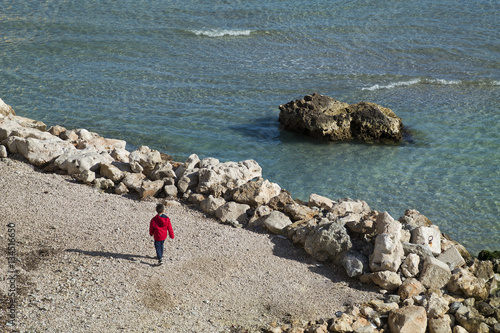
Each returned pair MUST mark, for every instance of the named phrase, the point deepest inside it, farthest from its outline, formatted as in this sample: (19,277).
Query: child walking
(160,227)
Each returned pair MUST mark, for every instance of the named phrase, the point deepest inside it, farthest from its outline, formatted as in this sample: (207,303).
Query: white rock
(87,176)
(276,222)
(385,224)
(427,236)
(387,253)
(76,161)
(39,152)
(121,189)
(146,158)
(436,306)
(5,109)
(409,267)
(435,273)
(349,206)
(211,204)
(386,279)
(452,258)
(316,200)
(133,181)
(227,176)
(256,193)
(171,191)
(3,151)
(104,183)
(120,155)
(232,211)
(110,171)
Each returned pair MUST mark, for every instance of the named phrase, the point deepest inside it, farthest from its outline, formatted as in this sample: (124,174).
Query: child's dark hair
(160,208)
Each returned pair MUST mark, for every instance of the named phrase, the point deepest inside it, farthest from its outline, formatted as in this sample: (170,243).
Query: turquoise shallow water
(184,77)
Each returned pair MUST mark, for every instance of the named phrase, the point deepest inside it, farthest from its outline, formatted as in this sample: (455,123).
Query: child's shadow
(130,257)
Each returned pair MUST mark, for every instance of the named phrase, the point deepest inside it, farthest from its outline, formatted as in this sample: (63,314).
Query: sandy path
(87,265)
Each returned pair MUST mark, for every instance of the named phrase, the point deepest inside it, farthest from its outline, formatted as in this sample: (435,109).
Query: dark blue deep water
(184,77)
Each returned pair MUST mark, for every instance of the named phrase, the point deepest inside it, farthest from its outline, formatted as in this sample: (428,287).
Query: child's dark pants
(159,249)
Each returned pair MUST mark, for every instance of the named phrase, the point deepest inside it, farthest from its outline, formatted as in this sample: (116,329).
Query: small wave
(412,82)
(221,32)
(393,85)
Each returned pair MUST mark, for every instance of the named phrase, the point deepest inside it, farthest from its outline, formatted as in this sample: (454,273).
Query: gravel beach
(87,264)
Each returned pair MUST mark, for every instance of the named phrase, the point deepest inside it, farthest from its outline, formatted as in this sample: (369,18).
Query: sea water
(187,77)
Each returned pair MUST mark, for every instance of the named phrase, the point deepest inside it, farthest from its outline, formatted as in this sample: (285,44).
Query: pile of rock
(326,118)
(430,281)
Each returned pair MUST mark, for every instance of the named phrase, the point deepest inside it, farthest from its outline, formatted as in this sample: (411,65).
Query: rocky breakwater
(323,117)
(428,282)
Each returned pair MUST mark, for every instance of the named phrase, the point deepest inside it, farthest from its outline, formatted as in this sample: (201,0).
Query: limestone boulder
(12,126)
(355,263)
(469,318)
(328,240)
(133,181)
(348,206)
(436,306)
(422,251)
(299,212)
(256,193)
(483,269)
(435,273)
(56,130)
(261,211)
(102,144)
(39,152)
(409,288)
(275,222)
(385,224)
(386,279)
(188,180)
(299,230)
(75,161)
(192,162)
(86,176)
(120,155)
(121,189)
(232,211)
(5,109)
(364,225)
(319,201)
(323,117)
(3,151)
(279,202)
(171,191)
(387,253)
(25,122)
(161,171)
(440,324)
(410,266)
(211,204)
(196,198)
(104,183)
(150,188)
(218,178)
(144,159)
(462,281)
(409,319)
(427,236)
(415,219)
(111,171)
(452,258)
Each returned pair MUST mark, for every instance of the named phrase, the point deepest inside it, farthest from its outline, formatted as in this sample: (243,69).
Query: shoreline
(299,227)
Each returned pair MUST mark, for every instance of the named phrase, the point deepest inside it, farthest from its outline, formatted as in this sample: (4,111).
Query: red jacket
(160,227)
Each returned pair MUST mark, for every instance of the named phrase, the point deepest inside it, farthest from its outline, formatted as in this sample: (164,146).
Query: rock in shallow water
(323,117)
